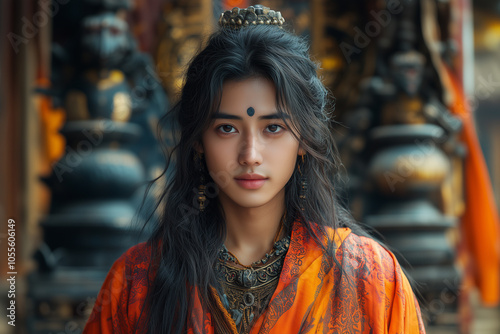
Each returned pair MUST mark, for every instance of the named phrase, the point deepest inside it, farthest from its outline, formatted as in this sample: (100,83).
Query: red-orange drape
(372,296)
(480,223)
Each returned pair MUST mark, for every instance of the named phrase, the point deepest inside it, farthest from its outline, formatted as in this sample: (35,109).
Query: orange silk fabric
(480,223)
(369,295)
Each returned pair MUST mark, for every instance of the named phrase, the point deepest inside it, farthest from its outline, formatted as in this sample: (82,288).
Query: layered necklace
(247,289)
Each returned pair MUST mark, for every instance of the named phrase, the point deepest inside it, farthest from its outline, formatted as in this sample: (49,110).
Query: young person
(252,238)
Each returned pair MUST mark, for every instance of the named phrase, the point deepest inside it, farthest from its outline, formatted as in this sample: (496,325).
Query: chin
(249,200)
(254,205)
(250,203)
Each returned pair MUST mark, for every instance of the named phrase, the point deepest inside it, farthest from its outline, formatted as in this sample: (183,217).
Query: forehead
(256,93)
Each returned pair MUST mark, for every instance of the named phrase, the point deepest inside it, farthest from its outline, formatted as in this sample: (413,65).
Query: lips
(250,181)
(252,176)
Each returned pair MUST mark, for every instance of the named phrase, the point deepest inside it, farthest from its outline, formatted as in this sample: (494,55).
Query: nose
(250,153)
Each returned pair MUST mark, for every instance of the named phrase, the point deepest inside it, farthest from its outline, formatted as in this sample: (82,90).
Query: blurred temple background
(84,84)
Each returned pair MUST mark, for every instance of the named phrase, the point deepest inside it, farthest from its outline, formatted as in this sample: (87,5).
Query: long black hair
(186,241)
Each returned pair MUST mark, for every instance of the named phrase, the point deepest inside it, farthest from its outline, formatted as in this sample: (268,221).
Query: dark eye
(274,128)
(226,128)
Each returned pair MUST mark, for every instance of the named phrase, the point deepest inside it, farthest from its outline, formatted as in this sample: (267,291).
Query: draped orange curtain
(480,225)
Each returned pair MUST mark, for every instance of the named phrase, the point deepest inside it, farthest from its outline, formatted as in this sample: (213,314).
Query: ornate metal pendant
(247,291)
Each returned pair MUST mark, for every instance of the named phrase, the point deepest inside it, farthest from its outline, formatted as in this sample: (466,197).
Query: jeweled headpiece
(253,15)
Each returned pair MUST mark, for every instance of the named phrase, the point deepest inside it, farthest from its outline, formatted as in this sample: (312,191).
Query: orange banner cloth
(51,120)
(371,296)
(480,224)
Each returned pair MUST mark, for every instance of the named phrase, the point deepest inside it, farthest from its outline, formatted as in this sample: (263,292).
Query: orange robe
(372,296)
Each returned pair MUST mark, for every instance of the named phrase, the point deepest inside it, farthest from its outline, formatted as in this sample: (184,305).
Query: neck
(251,231)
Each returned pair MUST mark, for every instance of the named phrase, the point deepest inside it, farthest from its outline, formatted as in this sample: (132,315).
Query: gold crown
(253,15)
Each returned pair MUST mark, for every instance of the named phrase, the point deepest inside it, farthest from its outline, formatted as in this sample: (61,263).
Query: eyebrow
(276,115)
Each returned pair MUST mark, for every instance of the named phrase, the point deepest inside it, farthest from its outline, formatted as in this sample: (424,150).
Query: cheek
(219,163)
(214,160)
(284,157)
(290,165)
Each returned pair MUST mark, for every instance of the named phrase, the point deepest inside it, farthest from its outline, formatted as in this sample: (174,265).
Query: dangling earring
(198,158)
(303,185)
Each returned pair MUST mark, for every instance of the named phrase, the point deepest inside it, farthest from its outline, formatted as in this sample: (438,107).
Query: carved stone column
(399,142)
(113,100)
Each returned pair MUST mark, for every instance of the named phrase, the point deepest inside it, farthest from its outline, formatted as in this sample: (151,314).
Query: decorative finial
(253,15)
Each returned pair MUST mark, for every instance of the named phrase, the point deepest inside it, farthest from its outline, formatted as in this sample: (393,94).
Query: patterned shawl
(368,293)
